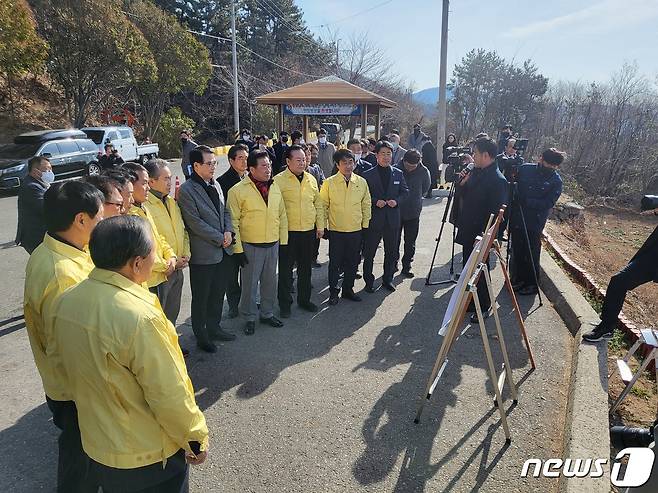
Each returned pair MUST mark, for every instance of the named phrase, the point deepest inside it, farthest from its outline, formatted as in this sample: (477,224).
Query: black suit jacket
(227,180)
(280,161)
(397,190)
(31,227)
(483,194)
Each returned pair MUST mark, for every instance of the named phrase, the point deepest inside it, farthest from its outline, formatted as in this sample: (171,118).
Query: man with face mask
(187,146)
(538,188)
(417,137)
(398,150)
(31,227)
(326,152)
(360,165)
(280,151)
(245,138)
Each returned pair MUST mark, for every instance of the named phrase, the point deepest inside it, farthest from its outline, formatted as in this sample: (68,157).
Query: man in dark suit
(237,160)
(209,226)
(482,191)
(280,151)
(387,190)
(31,226)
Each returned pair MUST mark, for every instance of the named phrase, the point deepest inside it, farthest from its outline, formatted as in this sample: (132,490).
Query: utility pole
(441,127)
(236,102)
(337,65)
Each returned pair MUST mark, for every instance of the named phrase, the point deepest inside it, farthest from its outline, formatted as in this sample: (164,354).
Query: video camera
(509,165)
(622,437)
(649,202)
(456,162)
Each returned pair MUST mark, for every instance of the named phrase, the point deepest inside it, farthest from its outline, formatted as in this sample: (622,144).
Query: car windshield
(18,151)
(95,135)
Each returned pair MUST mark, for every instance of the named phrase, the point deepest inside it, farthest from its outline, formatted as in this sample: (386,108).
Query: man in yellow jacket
(305,214)
(260,224)
(139,422)
(165,257)
(71,211)
(167,218)
(347,207)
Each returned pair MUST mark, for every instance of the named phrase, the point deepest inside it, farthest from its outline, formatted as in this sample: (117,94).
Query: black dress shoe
(250,328)
(309,307)
(206,346)
(388,286)
(349,295)
(272,322)
(333,299)
(371,289)
(285,311)
(221,335)
(407,273)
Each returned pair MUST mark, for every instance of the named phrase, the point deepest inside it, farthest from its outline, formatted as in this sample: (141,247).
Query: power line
(353,15)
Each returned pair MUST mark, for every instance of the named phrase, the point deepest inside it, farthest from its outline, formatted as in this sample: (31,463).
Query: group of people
(104,284)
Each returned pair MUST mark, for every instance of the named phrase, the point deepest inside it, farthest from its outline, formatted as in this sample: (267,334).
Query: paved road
(326,403)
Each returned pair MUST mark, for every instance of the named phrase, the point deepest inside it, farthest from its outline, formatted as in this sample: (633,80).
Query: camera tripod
(515,203)
(453,278)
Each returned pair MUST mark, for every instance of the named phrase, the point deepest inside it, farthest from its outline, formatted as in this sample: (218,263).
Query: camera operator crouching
(482,192)
(538,186)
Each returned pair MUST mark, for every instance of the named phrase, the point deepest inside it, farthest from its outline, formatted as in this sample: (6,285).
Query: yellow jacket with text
(52,268)
(304,208)
(163,251)
(254,221)
(347,208)
(169,221)
(126,372)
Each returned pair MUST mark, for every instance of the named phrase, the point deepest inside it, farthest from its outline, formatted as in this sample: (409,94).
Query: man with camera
(509,160)
(538,186)
(640,270)
(482,192)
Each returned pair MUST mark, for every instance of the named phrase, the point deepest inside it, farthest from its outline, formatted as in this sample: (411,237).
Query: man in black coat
(31,226)
(237,160)
(482,191)
(110,159)
(280,152)
(642,269)
(388,190)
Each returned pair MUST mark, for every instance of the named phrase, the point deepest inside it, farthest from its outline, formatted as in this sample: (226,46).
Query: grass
(618,341)
(641,393)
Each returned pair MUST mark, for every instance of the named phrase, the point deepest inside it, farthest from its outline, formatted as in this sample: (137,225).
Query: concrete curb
(587,429)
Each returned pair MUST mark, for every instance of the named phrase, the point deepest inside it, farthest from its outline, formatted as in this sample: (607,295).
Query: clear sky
(577,40)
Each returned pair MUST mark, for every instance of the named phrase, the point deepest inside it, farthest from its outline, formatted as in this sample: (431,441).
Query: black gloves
(241,258)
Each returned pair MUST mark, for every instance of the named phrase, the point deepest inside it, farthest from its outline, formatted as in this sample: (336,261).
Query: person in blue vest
(388,189)
(538,186)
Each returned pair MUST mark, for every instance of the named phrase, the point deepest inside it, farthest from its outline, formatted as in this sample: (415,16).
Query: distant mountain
(430,97)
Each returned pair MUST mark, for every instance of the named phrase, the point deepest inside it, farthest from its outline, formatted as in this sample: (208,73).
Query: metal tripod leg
(532,260)
(490,363)
(451,279)
(507,368)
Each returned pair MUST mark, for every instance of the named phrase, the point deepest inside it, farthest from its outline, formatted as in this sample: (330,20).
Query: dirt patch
(602,244)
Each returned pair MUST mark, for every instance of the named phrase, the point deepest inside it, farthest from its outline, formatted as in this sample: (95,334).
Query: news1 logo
(636,472)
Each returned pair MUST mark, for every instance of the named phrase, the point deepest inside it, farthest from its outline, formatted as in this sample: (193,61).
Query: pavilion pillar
(280,120)
(378,122)
(364,121)
(305,128)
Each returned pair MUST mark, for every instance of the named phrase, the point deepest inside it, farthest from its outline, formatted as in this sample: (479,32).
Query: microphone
(467,171)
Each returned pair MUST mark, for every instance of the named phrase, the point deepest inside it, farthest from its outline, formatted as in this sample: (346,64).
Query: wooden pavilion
(329,96)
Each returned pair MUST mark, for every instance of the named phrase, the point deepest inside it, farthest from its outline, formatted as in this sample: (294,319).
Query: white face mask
(322,140)
(246,137)
(301,141)
(357,156)
(47,176)
(395,146)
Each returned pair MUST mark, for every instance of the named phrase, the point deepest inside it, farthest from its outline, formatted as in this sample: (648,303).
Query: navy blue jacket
(537,192)
(482,195)
(397,190)
(31,226)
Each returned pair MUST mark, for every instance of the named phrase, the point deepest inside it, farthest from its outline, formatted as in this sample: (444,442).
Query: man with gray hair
(398,150)
(167,218)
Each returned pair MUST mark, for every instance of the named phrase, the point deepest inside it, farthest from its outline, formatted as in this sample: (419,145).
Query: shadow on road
(389,430)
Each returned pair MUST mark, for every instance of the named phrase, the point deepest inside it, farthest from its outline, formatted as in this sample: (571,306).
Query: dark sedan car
(69,155)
